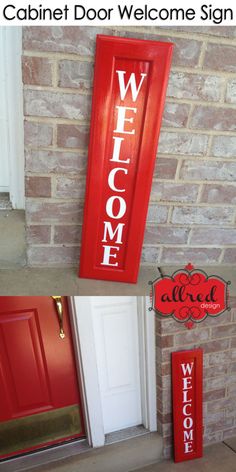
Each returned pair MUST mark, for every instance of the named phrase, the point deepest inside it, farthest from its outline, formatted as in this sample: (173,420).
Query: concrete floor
(217,458)
(32,281)
(129,456)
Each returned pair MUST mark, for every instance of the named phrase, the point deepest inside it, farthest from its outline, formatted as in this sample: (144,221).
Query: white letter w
(187,368)
(131,82)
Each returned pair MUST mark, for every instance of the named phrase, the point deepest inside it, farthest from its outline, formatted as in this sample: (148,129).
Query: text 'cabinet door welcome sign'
(130,82)
(187,404)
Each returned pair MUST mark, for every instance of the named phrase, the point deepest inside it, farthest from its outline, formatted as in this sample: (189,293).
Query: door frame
(85,352)
(15,117)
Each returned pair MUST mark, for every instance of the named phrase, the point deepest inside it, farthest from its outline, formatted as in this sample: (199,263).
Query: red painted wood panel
(187,404)
(37,367)
(129,90)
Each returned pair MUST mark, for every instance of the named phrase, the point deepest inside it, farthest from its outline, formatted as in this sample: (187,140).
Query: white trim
(148,364)
(14,97)
(82,327)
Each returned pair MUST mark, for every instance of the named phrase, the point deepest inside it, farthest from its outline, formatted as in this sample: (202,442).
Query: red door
(39,396)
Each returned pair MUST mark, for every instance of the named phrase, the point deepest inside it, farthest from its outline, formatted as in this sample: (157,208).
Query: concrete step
(122,456)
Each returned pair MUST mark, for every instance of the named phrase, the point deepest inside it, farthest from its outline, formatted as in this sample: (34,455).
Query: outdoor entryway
(40,403)
(107,354)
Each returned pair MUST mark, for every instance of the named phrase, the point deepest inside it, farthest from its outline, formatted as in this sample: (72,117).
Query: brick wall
(192,208)
(217,338)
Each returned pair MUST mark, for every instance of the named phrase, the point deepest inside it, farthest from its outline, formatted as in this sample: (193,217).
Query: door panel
(21,363)
(115,321)
(37,370)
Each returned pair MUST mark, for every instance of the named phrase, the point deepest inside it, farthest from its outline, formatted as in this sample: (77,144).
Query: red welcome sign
(189,295)
(187,404)
(130,83)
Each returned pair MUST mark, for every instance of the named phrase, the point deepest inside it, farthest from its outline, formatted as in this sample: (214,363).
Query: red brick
(67,234)
(219,425)
(182,143)
(72,136)
(165,341)
(220,57)
(222,403)
(157,214)
(184,255)
(220,236)
(213,417)
(37,234)
(38,186)
(53,212)
(192,336)
(53,256)
(202,215)
(231,91)
(213,437)
(58,105)
(76,74)
(214,383)
(186,51)
(218,370)
(38,134)
(168,326)
(150,255)
(222,31)
(219,358)
(214,395)
(65,39)
(165,235)
(175,115)
(219,119)
(174,192)
(165,168)
(232,390)
(67,187)
(232,369)
(165,370)
(208,170)
(194,86)
(47,162)
(223,146)
(230,256)
(36,71)
(219,194)
(219,320)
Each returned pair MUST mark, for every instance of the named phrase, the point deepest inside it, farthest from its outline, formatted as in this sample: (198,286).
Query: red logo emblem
(189,295)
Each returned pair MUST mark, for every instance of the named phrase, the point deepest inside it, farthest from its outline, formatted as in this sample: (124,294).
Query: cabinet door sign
(129,90)
(187,404)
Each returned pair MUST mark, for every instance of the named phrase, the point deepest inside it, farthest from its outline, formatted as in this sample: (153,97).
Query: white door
(115,348)
(115,321)
(4,164)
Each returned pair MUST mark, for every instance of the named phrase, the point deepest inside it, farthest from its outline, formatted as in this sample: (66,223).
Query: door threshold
(127,433)
(5,203)
(44,456)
